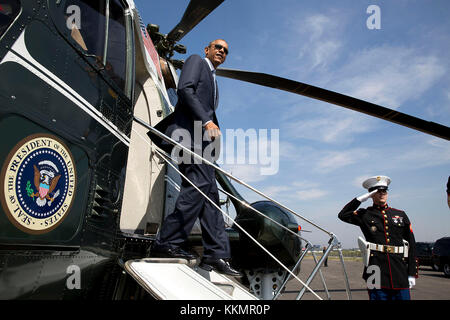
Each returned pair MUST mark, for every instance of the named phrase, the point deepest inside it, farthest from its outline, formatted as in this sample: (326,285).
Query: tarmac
(431,285)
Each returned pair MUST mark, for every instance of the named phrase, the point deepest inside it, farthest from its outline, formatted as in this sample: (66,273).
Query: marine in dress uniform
(385,230)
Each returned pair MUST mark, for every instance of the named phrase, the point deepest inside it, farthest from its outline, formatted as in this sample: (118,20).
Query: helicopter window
(89,30)
(116,54)
(89,33)
(8,11)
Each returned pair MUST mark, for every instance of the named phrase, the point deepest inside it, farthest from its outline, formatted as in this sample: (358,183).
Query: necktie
(215,88)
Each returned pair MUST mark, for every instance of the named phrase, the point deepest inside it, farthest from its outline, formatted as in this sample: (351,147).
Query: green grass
(349,254)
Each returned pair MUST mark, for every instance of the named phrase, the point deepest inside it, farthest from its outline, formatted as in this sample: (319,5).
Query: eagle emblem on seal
(37,183)
(45,181)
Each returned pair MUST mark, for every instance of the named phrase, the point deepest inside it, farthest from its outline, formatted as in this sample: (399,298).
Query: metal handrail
(333,240)
(166,138)
(235,223)
(309,245)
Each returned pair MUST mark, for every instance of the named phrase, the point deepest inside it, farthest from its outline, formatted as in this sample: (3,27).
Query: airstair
(175,279)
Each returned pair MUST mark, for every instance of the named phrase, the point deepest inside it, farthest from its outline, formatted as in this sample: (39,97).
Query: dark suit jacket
(195,102)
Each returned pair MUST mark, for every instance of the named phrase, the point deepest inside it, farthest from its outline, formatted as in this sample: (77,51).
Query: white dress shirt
(213,70)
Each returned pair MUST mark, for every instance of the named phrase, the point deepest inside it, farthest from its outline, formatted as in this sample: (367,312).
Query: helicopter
(82,192)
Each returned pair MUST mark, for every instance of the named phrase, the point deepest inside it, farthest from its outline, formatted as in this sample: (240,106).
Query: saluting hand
(366,196)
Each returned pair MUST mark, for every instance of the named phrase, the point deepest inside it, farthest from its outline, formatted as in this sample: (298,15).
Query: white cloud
(337,159)
(308,190)
(357,182)
(315,25)
(275,191)
(320,39)
(304,184)
(311,194)
(332,127)
(389,75)
(288,150)
(294,191)
(423,152)
(246,172)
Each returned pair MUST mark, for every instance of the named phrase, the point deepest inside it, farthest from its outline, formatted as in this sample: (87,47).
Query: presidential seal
(38,183)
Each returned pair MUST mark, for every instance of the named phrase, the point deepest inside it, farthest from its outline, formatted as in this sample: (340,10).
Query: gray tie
(215,88)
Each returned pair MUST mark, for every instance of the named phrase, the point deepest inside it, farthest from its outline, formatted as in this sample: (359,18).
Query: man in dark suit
(194,113)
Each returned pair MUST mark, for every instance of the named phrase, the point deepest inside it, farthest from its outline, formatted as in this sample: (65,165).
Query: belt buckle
(389,249)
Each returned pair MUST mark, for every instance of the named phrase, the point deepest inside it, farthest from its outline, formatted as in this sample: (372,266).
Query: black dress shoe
(219,265)
(171,253)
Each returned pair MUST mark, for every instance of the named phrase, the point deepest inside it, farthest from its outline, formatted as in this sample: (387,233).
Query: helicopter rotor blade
(355,104)
(196,11)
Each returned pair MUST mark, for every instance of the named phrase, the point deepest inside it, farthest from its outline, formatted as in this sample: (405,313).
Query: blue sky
(327,151)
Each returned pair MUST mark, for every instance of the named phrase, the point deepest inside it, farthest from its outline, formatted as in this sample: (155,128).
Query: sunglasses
(379,190)
(219,47)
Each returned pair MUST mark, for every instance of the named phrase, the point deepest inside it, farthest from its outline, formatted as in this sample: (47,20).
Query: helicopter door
(143,199)
(99,67)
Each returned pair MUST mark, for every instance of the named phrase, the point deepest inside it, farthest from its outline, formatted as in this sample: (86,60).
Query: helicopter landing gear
(264,283)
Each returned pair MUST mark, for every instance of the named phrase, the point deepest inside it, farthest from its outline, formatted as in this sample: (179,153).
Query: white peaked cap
(376,182)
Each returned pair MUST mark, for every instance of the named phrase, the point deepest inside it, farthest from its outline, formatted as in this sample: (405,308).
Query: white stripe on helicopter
(19,54)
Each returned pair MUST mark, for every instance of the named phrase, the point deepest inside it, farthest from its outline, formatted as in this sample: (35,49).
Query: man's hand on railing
(213,130)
